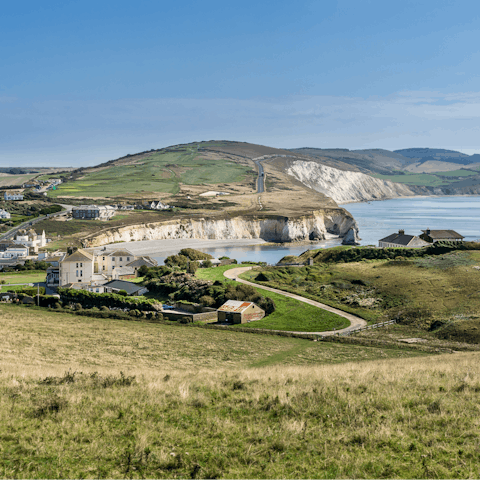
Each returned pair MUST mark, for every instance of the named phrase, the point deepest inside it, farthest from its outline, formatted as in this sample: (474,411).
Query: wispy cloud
(86,132)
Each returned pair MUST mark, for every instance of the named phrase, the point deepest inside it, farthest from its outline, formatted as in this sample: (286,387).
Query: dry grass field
(91,398)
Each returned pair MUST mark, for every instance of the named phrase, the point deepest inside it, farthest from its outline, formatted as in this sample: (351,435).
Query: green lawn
(161,172)
(29,276)
(290,315)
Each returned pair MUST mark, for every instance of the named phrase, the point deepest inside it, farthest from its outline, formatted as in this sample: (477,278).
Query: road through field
(355,322)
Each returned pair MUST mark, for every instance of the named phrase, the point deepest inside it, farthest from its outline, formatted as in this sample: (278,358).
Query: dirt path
(355,322)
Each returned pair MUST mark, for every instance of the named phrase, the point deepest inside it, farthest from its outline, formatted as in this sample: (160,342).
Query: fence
(361,329)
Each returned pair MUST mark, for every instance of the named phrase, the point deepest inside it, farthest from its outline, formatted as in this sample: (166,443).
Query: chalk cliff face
(344,186)
(313,226)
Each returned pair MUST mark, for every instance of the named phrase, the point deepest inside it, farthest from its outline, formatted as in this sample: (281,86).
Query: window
(103,268)
(81,265)
(81,272)
(77,273)
(128,259)
(76,265)
(120,258)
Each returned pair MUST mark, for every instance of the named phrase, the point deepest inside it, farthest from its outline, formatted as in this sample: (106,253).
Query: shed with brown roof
(237,311)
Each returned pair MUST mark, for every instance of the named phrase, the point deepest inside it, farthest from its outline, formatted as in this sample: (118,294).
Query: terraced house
(83,269)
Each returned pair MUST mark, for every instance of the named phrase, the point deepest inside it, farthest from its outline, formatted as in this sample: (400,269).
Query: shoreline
(405,198)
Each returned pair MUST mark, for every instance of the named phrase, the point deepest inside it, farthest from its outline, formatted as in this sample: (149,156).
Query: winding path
(355,322)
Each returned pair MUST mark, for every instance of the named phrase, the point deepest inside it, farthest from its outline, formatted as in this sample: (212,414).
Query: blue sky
(84,82)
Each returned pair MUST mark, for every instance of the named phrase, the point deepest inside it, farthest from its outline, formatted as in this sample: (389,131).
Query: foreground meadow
(85,397)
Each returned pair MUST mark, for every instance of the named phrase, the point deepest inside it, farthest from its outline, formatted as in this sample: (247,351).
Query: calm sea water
(377,220)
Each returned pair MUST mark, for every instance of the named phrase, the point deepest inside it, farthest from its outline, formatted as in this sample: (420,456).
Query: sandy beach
(162,248)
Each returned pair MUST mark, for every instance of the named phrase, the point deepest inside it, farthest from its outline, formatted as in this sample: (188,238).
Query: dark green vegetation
(112,300)
(157,172)
(356,254)
(25,211)
(437,293)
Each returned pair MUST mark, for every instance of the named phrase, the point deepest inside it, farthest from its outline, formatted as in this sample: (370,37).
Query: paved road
(11,233)
(261,177)
(355,322)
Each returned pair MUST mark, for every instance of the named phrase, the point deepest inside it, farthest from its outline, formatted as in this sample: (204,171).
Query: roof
(443,234)
(149,262)
(236,306)
(79,255)
(118,271)
(129,287)
(120,253)
(399,239)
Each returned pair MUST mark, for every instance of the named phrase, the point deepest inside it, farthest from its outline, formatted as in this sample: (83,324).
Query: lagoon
(375,220)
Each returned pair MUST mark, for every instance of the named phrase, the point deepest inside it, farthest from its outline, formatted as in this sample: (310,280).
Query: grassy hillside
(110,399)
(160,172)
(426,179)
(434,292)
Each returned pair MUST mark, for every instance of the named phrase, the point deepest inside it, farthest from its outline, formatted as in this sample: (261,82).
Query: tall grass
(391,418)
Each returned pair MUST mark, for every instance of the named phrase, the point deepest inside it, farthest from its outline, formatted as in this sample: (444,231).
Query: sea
(376,220)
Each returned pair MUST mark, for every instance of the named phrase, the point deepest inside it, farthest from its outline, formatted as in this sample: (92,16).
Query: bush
(193,254)
(78,306)
(123,293)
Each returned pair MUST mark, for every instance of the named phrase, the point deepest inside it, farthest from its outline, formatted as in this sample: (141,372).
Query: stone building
(237,311)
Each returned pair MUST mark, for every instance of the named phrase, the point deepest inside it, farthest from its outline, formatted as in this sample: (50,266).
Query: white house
(400,240)
(31,239)
(12,196)
(4,215)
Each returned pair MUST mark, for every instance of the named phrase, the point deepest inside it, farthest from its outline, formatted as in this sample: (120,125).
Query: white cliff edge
(279,229)
(343,186)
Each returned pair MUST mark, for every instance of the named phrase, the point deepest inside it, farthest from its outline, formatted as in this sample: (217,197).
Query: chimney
(401,232)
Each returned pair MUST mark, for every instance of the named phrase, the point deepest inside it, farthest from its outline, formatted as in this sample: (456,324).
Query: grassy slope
(414,179)
(446,286)
(290,315)
(195,410)
(160,172)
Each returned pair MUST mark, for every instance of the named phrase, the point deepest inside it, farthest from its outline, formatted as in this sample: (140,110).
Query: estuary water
(376,220)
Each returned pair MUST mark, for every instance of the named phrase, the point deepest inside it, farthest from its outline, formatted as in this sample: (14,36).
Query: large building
(4,215)
(93,212)
(400,240)
(84,269)
(433,236)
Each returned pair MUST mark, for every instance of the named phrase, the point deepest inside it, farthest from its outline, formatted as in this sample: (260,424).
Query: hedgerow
(91,299)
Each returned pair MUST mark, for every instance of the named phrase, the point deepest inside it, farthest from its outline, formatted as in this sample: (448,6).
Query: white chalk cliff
(343,186)
(313,226)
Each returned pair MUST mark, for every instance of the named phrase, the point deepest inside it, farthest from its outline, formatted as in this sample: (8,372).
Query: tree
(142,271)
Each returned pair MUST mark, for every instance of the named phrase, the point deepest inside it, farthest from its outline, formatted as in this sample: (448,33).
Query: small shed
(236,311)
